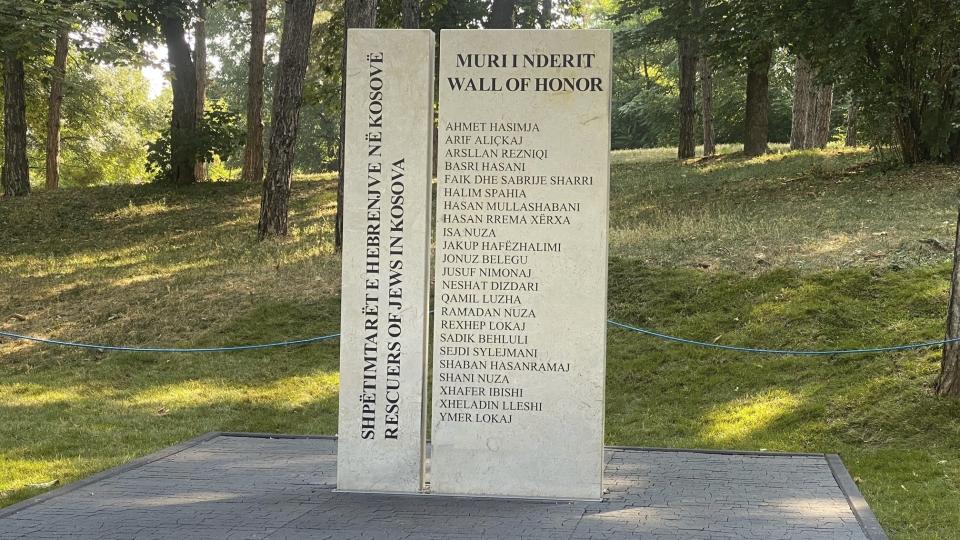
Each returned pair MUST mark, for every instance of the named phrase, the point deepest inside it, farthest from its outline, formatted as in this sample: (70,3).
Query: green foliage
(899,58)
(736,31)
(319,139)
(100,29)
(645,85)
(219,134)
(29,27)
(228,40)
(108,119)
(133,22)
(648,119)
(646,78)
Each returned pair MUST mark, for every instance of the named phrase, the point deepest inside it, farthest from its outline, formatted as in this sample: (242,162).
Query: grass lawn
(792,250)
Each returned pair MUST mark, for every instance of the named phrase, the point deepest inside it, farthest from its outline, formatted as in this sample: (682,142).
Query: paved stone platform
(241,486)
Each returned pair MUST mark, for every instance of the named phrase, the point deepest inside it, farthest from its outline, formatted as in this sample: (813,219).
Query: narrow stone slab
(254,487)
(521,284)
(386,259)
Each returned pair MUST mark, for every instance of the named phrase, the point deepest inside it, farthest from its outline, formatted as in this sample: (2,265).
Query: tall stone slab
(521,263)
(386,260)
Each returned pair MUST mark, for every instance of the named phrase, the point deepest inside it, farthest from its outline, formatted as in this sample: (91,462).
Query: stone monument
(521,262)
(386,260)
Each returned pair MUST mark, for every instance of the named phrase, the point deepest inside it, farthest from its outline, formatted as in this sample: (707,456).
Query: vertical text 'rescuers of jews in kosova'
(372,285)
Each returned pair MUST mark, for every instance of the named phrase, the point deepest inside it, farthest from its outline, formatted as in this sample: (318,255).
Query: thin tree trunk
(183,122)
(411,14)
(948,381)
(706,105)
(200,61)
(546,14)
(953,144)
(687,46)
(253,149)
(819,127)
(356,14)
(758,86)
(287,99)
(501,14)
(706,83)
(54,102)
(15,175)
(647,81)
(852,113)
(802,103)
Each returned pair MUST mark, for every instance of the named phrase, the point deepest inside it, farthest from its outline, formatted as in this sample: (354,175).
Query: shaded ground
(797,250)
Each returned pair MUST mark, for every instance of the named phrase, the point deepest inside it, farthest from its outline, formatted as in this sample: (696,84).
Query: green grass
(792,250)
(803,210)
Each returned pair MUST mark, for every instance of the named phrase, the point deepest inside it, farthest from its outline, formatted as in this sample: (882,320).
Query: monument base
(239,485)
(512,497)
(427,493)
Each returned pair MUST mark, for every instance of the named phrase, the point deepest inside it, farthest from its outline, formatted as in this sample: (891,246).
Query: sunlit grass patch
(292,393)
(742,417)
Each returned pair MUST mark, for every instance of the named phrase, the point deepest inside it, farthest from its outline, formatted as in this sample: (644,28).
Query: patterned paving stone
(239,487)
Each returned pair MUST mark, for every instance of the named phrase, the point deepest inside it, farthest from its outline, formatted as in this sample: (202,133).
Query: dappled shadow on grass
(179,261)
(114,431)
(729,174)
(805,210)
(259,322)
(102,409)
(781,310)
(77,223)
(156,266)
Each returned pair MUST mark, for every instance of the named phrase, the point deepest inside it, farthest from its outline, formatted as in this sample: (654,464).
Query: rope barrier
(623,326)
(289,343)
(782,352)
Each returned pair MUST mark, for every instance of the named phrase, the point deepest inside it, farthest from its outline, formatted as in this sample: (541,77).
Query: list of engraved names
(520,275)
(497,183)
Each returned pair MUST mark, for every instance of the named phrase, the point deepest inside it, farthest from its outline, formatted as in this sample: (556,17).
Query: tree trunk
(54,102)
(948,381)
(758,86)
(287,99)
(183,123)
(819,126)
(501,14)
(852,113)
(687,46)
(546,14)
(15,175)
(706,105)
(812,109)
(356,14)
(253,149)
(411,14)
(907,132)
(803,96)
(200,61)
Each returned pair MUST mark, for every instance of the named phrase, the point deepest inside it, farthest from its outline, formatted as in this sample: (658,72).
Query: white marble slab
(521,263)
(386,260)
